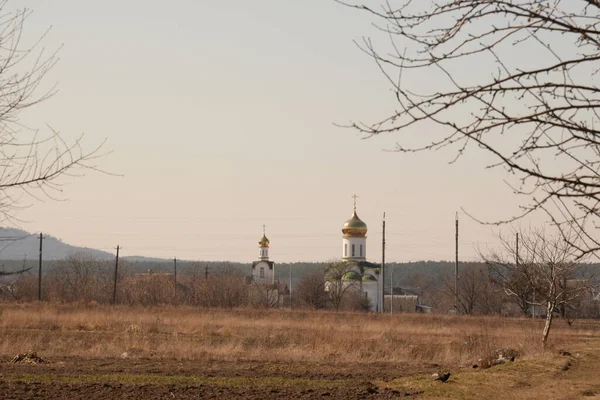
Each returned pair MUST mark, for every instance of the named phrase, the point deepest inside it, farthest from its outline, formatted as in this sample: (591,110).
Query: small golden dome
(354,227)
(264,242)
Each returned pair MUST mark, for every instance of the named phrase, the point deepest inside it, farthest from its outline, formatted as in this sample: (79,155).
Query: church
(263,270)
(361,275)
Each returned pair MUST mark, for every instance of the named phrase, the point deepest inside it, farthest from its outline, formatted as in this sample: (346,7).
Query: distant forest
(427,276)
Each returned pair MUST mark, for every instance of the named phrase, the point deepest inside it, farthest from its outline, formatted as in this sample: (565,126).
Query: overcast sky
(221,118)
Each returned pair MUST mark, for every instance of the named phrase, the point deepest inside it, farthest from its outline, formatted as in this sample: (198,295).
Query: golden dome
(354,227)
(264,242)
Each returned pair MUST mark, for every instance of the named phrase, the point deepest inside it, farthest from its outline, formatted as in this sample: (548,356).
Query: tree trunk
(549,312)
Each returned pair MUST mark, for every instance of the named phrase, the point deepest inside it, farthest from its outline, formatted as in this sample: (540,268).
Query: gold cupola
(354,227)
(264,242)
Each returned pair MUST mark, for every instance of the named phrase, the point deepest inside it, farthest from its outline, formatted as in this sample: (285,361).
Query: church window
(346,250)
(353,251)
(361,254)
(262,272)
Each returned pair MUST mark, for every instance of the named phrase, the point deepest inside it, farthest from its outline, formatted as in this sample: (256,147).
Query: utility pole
(517,268)
(114,300)
(517,251)
(175,278)
(456,270)
(382,272)
(40,270)
(391,289)
(290,286)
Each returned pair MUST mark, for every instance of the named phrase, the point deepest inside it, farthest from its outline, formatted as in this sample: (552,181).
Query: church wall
(372,292)
(269,274)
(348,242)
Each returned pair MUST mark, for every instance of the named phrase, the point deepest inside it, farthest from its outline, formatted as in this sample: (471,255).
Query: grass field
(99,352)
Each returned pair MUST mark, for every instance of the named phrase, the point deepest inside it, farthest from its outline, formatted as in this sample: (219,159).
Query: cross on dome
(354,227)
(355,197)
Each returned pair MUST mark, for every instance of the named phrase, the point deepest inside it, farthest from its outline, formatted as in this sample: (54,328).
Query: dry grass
(544,376)
(270,335)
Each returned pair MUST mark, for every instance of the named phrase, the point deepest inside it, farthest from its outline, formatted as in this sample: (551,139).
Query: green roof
(351,276)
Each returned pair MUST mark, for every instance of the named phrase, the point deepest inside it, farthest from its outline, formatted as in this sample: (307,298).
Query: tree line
(499,285)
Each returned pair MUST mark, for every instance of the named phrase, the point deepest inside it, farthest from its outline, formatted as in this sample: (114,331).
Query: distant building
(404,300)
(265,290)
(263,270)
(362,274)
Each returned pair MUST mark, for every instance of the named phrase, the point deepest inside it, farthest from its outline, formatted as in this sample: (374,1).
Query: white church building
(362,274)
(263,270)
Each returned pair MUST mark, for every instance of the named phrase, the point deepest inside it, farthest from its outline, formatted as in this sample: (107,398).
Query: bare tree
(32,162)
(225,288)
(23,288)
(147,289)
(80,277)
(311,291)
(340,278)
(477,292)
(194,283)
(547,264)
(356,301)
(517,282)
(470,287)
(515,78)
(493,300)
(264,295)
(582,306)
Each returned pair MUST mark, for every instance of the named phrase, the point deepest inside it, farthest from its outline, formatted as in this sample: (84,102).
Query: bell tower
(354,239)
(263,270)
(263,246)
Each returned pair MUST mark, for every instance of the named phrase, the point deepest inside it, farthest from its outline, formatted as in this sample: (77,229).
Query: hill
(17,244)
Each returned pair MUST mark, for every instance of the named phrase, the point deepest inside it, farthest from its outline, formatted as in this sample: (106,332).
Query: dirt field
(166,379)
(172,353)
(553,376)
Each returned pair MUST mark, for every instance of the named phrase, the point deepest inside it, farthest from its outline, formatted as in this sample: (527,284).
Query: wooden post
(175,279)
(114,300)
(382,272)
(456,269)
(40,270)
(391,289)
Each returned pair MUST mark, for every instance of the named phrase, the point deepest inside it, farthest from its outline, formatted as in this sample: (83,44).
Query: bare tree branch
(537,116)
(32,162)
(542,273)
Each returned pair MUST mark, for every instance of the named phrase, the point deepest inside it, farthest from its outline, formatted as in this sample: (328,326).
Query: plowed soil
(73,378)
